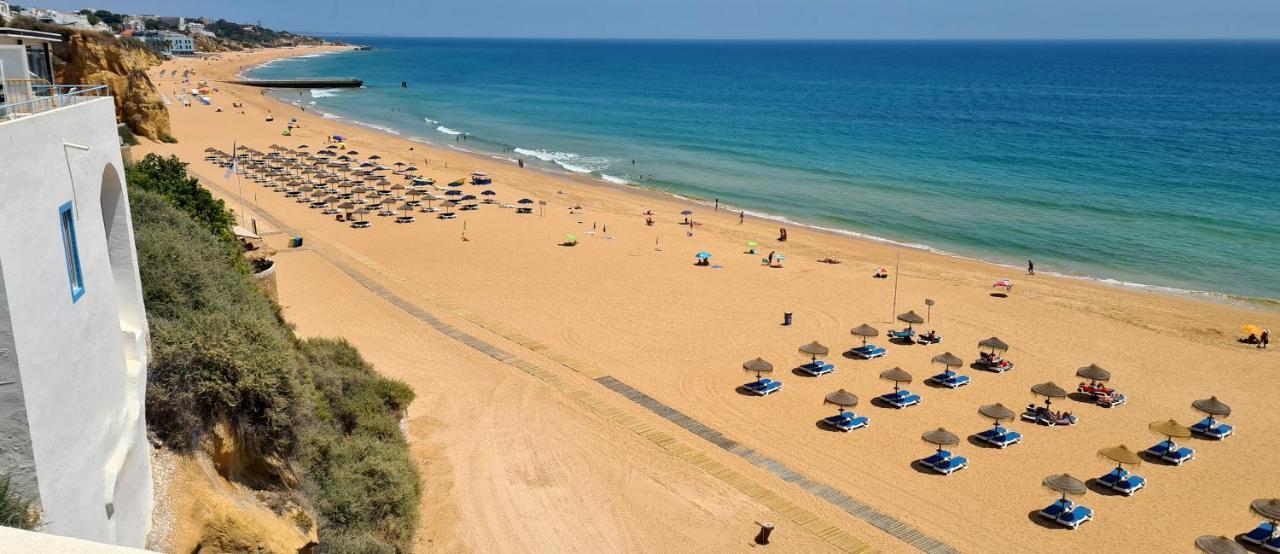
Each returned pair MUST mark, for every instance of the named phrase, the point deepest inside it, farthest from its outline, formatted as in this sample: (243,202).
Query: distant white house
(174,43)
(4,10)
(73,331)
(195,28)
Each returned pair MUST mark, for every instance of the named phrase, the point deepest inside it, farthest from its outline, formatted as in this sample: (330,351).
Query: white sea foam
(420,140)
(324,92)
(378,127)
(615,180)
(430,121)
(567,160)
(328,115)
(447,130)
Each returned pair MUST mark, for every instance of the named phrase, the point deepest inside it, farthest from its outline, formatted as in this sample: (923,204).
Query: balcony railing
(22,97)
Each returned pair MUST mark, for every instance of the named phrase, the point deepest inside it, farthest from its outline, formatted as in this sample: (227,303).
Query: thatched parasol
(940,437)
(1065,484)
(911,318)
(814,349)
(758,366)
(1094,373)
(994,344)
(1121,455)
(1212,406)
(865,331)
(1267,507)
(997,412)
(1171,429)
(948,359)
(1049,391)
(1210,544)
(842,399)
(897,375)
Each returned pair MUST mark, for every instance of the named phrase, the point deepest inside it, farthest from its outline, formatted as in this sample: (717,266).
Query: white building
(177,44)
(73,331)
(4,10)
(195,28)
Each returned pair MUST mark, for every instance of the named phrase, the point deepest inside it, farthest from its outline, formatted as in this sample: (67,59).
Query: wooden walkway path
(802,517)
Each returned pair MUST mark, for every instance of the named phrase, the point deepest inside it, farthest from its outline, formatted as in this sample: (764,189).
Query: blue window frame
(72,251)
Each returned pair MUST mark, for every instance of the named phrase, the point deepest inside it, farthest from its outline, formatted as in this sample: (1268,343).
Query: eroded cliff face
(94,60)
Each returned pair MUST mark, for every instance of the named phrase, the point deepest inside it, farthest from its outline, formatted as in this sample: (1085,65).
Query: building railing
(22,97)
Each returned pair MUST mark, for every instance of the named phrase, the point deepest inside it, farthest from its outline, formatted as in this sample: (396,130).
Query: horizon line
(800,39)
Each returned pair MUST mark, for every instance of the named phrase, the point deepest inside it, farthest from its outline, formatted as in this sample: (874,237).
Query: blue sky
(767,19)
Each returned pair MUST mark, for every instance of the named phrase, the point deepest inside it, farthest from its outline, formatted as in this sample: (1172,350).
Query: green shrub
(16,510)
(222,352)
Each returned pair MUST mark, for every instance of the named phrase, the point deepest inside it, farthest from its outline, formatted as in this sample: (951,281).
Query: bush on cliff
(222,352)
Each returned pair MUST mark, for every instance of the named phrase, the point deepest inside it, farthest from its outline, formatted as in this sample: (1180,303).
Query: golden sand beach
(535,450)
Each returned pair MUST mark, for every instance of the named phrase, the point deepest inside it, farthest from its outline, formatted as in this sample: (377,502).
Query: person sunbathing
(832,261)
(1251,339)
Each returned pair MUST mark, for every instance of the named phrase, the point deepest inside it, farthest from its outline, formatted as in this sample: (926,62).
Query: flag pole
(896,265)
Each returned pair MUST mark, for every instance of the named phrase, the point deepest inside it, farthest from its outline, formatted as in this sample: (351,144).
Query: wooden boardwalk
(800,516)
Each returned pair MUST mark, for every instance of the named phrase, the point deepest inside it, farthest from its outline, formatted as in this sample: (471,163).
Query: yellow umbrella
(1251,329)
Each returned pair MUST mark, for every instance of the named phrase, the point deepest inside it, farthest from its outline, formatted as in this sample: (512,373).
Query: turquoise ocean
(1151,164)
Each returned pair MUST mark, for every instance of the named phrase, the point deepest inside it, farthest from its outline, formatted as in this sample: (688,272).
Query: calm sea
(1148,163)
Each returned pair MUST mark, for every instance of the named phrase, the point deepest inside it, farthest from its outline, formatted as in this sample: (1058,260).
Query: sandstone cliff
(88,58)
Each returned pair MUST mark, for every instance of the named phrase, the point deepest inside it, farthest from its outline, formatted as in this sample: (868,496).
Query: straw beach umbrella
(1065,484)
(1268,508)
(1049,391)
(758,366)
(997,412)
(1170,429)
(1213,408)
(1094,373)
(910,318)
(1210,544)
(948,359)
(995,344)
(865,331)
(1121,455)
(940,437)
(841,399)
(897,375)
(814,349)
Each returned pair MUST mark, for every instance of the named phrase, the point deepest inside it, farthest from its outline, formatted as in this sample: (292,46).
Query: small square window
(72,251)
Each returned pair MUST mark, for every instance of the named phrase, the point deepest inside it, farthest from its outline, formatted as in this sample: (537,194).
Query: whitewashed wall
(82,363)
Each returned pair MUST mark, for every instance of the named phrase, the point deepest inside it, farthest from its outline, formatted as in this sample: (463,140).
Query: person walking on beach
(717,204)
(1031,268)
(1265,338)
(741,216)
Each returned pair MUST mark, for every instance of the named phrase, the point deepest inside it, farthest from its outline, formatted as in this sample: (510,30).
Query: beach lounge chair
(1212,429)
(868,351)
(1059,507)
(951,465)
(1168,451)
(405,219)
(763,387)
(929,338)
(906,334)
(950,379)
(361,224)
(1121,481)
(995,364)
(1260,534)
(1112,400)
(1000,437)
(847,421)
(1094,389)
(818,368)
(901,399)
(937,458)
(1074,517)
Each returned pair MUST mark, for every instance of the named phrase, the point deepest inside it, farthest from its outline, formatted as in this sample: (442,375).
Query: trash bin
(786,318)
(296,242)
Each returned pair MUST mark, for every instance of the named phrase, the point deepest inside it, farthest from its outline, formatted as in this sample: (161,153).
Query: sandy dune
(515,463)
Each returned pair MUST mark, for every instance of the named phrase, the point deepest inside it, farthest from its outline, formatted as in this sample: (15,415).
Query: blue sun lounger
(950,379)
(847,421)
(763,387)
(868,352)
(1059,507)
(1076,516)
(937,458)
(1164,451)
(950,465)
(1212,429)
(1260,534)
(903,334)
(1120,480)
(818,368)
(901,399)
(1000,437)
